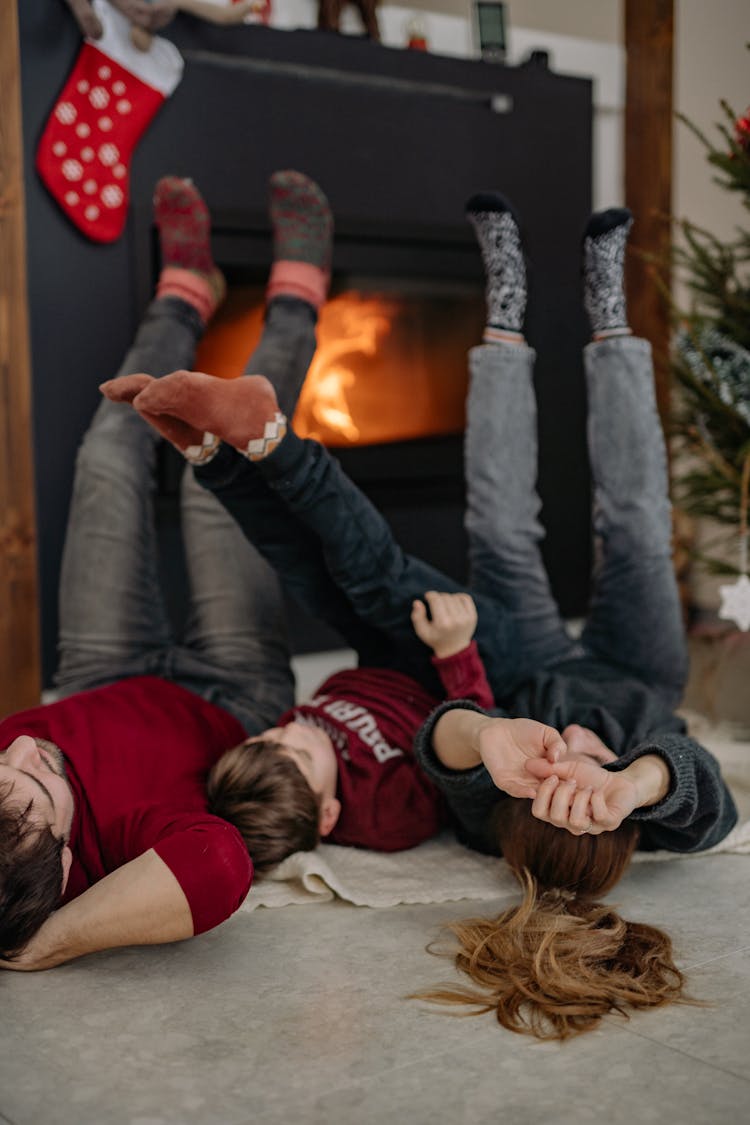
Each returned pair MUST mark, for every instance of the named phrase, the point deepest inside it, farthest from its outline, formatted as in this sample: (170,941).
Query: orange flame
(386,368)
(350,327)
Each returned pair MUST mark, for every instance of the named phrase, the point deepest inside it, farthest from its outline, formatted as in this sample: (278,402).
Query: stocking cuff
(189,287)
(298,279)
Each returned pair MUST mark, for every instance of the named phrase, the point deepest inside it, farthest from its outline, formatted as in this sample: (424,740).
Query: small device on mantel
(490,29)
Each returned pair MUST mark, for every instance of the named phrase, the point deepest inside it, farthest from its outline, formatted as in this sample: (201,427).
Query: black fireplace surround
(398,140)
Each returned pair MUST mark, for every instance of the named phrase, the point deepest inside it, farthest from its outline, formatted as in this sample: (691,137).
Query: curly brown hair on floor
(554,965)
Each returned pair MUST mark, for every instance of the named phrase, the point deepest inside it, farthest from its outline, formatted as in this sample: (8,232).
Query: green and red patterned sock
(302,239)
(188,269)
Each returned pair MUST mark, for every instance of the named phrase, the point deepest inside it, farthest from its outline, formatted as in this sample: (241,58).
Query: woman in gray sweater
(567,809)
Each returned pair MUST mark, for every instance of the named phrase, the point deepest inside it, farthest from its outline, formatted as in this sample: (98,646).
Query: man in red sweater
(125,816)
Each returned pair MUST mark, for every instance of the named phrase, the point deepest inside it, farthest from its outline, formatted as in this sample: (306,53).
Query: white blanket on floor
(443,871)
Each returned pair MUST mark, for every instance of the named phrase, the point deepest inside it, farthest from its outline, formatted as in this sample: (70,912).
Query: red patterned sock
(302,238)
(184,224)
(242,412)
(105,106)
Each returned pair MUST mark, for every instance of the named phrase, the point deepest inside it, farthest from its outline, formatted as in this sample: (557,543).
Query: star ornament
(735,602)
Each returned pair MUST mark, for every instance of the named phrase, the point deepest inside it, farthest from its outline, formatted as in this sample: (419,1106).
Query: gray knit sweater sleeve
(697,812)
(471,794)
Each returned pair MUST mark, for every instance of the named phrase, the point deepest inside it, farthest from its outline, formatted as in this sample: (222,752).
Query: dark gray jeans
(113,621)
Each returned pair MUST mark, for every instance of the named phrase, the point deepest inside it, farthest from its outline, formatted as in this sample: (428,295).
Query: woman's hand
(582,797)
(451,625)
(508,746)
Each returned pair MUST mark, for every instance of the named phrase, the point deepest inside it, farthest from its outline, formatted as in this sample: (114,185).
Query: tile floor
(299,1015)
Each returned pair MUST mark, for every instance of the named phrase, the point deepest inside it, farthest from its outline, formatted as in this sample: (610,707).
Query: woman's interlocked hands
(581,796)
(507,746)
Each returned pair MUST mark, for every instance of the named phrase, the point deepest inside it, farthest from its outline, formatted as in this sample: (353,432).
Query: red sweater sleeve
(208,858)
(463,677)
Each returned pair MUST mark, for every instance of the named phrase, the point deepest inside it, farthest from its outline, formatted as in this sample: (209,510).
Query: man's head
(279,790)
(36,814)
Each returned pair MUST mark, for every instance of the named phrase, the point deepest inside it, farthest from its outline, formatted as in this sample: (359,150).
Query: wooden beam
(649,39)
(20,678)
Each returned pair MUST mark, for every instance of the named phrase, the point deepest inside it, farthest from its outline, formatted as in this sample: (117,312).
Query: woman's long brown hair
(554,965)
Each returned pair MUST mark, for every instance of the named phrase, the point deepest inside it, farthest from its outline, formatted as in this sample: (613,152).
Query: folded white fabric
(442,870)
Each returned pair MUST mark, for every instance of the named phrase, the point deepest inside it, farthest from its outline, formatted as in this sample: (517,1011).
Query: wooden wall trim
(20,677)
(649,42)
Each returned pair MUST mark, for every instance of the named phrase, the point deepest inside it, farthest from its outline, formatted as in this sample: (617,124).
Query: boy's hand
(452,624)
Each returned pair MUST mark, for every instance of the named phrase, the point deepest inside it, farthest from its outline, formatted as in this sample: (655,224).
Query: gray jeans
(113,621)
(634,619)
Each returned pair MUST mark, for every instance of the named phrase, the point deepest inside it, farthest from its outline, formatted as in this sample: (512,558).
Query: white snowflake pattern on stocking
(107,103)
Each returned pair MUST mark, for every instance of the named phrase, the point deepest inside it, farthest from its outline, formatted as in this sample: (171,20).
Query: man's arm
(141,903)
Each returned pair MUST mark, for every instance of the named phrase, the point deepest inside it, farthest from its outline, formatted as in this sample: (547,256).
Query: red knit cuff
(298,279)
(189,287)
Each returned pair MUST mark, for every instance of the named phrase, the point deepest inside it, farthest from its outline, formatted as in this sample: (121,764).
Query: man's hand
(582,797)
(506,746)
(451,625)
(38,953)
(141,903)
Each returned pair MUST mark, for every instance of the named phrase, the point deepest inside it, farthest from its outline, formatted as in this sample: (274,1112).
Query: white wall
(711,62)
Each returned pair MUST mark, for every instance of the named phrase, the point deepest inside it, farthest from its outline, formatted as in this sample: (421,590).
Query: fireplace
(390,364)
(398,140)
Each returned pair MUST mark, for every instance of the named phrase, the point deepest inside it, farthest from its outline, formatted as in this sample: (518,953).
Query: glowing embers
(388,367)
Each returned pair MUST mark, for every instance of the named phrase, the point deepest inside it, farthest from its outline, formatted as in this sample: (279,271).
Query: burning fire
(351,327)
(386,368)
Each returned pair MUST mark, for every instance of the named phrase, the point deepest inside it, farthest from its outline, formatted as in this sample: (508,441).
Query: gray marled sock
(499,239)
(604,243)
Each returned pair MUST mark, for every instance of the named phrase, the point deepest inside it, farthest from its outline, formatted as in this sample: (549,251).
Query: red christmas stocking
(106,105)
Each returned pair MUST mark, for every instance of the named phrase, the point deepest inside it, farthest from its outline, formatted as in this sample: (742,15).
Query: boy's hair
(265,796)
(30,875)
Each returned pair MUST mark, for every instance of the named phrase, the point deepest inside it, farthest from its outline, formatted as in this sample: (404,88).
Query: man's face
(36,771)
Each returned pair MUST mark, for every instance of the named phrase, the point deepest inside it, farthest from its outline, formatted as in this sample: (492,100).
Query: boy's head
(279,790)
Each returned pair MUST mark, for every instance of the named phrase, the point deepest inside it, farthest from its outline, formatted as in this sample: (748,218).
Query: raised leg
(502,513)
(367,572)
(635,619)
(502,504)
(112,618)
(235,648)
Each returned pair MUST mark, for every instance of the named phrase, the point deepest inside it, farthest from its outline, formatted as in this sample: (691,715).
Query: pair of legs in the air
(113,621)
(336,552)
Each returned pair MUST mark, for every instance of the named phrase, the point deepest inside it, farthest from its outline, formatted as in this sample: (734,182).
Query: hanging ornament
(735,602)
(735,598)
